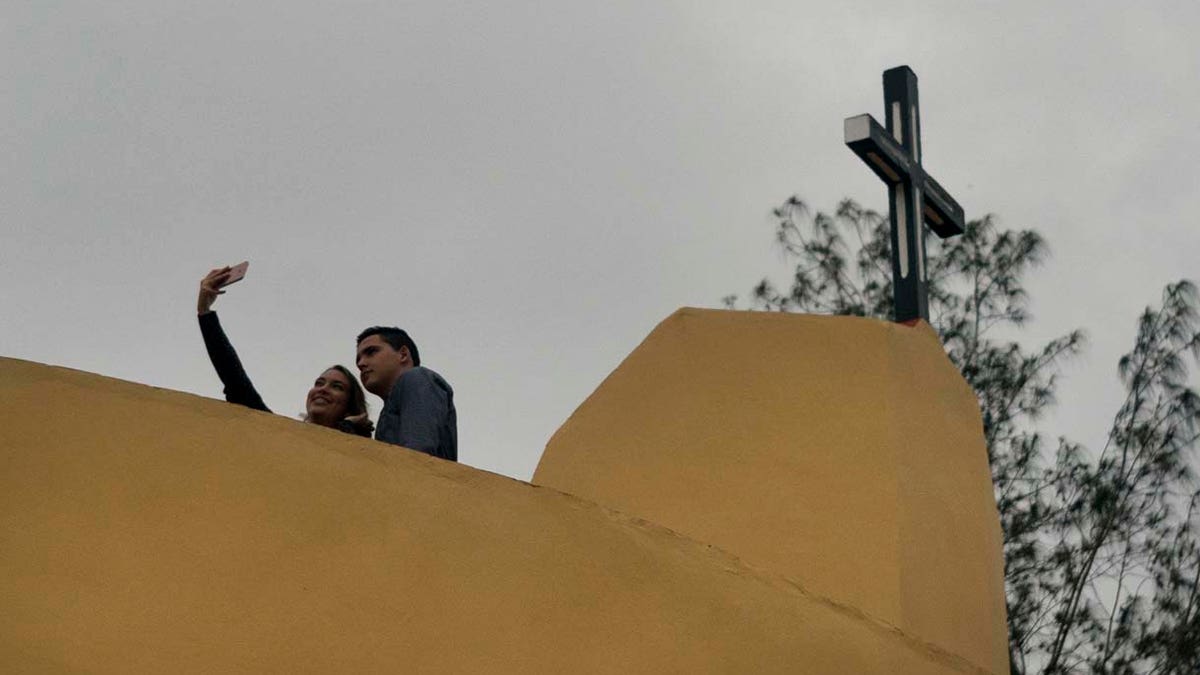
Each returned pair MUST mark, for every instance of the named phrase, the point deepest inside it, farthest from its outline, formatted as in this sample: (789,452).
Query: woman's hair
(357,404)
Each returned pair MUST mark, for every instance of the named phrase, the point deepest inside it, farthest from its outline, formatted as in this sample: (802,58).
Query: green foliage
(1102,550)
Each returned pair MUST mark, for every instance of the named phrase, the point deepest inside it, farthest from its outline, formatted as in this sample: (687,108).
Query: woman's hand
(361,423)
(210,287)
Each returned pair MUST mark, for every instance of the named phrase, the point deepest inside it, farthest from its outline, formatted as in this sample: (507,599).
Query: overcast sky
(529,187)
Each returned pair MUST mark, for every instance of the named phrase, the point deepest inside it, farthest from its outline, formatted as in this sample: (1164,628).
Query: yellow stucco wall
(845,454)
(150,531)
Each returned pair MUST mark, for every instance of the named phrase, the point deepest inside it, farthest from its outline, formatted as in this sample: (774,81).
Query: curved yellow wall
(149,531)
(845,454)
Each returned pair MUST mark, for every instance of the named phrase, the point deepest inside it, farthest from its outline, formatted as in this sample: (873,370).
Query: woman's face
(328,398)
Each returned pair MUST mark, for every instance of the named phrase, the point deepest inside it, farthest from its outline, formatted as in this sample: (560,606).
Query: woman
(335,400)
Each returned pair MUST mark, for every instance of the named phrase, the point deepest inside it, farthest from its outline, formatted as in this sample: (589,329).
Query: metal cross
(894,154)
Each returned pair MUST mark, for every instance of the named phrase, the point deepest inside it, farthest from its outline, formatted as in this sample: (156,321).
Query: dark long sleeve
(238,388)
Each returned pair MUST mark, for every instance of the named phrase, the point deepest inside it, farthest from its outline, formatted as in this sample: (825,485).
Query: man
(418,405)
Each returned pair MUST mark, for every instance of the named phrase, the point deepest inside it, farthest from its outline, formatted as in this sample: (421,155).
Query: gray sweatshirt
(419,414)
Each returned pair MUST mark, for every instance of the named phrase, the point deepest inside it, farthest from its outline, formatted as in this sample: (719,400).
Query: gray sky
(529,188)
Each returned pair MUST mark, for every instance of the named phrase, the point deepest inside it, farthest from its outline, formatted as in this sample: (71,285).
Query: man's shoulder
(433,375)
(420,377)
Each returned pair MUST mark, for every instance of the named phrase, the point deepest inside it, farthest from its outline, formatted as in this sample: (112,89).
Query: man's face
(379,366)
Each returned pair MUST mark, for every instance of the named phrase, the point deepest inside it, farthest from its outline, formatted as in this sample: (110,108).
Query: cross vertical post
(914,197)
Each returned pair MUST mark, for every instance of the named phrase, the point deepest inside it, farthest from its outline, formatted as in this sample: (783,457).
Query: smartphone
(236,273)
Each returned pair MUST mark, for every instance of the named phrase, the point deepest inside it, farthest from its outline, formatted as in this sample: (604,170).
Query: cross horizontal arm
(870,141)
(942,214)
(875,146)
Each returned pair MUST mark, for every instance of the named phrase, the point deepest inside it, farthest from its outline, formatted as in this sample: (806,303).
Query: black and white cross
(894,154)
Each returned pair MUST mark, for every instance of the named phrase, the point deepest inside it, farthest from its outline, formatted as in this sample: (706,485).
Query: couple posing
(418,405)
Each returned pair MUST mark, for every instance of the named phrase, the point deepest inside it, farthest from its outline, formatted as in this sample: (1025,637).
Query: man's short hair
(395,337)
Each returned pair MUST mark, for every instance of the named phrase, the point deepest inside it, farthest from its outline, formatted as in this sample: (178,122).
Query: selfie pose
(335,400)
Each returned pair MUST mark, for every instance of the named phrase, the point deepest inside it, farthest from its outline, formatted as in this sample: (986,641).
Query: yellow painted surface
(149,531)
(844,454)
